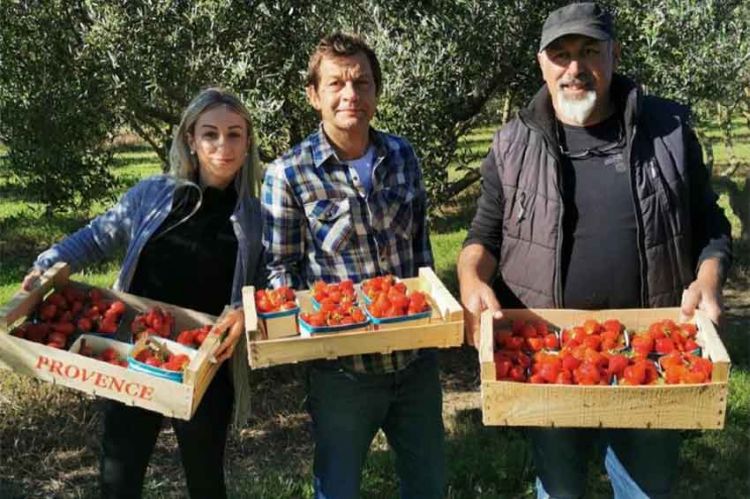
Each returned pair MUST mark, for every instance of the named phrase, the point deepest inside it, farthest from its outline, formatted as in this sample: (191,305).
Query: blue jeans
(347,410)
(640,463)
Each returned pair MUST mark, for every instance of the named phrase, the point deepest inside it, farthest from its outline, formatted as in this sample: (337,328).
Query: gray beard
(576,110)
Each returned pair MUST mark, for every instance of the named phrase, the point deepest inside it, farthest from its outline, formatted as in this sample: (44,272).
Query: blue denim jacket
(134,219)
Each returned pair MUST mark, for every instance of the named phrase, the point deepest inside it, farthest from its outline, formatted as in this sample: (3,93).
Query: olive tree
(697,53)
(90,66)
(55,113)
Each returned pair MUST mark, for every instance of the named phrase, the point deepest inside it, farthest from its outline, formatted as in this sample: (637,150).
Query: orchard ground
(50,436)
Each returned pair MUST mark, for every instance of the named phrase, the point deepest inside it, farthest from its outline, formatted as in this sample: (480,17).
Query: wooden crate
(656,406)
(443,330)
(179,400)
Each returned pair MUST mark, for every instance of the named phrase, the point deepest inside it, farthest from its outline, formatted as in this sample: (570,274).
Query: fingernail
(213,360)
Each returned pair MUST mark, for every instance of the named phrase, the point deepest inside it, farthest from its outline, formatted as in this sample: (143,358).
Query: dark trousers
(130,434)
(640,463)
(347,410)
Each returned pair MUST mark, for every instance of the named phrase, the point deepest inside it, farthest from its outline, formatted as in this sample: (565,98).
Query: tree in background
(697,53)
(443,60)
(55,115)
(83,70)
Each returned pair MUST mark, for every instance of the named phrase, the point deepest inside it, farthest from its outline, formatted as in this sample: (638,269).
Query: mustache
(582,80)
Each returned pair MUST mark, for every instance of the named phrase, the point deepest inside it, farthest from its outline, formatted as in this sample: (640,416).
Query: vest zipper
(638,217)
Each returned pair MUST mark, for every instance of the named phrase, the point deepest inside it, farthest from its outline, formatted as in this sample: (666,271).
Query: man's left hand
(704,293)
(234,322)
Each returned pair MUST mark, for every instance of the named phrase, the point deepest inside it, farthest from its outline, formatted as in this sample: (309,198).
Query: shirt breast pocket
(330,222)
(399,214)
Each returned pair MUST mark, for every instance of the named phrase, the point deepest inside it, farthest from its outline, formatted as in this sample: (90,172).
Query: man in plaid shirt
(348,202)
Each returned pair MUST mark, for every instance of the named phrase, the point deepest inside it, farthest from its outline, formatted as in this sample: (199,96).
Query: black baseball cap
(586,19)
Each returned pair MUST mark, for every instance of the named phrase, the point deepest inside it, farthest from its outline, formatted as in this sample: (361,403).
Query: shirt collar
(324,151)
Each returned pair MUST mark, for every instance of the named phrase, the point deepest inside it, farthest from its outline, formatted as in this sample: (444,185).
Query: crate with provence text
(66,349)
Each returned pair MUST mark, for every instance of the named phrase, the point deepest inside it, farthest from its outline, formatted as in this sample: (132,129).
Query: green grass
(741,137)
(49,436)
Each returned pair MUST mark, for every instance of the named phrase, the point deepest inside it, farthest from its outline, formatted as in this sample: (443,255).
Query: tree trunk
(708,149)
(726,125)
(743,209)
(506,107)
(739,201)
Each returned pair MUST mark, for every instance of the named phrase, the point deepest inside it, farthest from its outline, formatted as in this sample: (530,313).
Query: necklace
(600,151)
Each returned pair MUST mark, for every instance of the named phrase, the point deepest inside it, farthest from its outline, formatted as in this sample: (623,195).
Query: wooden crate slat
(291,350)
(449,307)
(251,315)
(486,338)
(24,302)
(676,407)
(714,348)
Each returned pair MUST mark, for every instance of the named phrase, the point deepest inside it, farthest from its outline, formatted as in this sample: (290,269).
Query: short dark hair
(341,45)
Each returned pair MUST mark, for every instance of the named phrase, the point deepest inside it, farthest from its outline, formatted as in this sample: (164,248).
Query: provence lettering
(98,379)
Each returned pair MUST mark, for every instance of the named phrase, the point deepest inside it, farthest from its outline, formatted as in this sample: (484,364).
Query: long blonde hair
(184,165)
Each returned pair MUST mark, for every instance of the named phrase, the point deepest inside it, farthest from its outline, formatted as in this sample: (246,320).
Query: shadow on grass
(716,463)
(485,461)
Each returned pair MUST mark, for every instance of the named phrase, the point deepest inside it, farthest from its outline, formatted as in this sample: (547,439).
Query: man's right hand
(476,268)
(477,297)
(31,279)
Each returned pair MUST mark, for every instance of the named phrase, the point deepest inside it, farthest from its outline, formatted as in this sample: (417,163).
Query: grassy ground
(49,436)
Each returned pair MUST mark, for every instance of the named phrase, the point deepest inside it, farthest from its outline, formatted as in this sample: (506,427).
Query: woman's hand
(31,279)
(234,322)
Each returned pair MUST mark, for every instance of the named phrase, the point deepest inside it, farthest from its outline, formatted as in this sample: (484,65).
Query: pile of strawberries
(68,310)
(595,354)
(108,355)
(274,300)
(390,298)
(194,338)
(162,358)
(154,322)
(681,368)
(330,314)
(374,286)
(338,293)
(664,337)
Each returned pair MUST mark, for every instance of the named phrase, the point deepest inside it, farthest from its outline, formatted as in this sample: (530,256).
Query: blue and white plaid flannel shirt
(320,223)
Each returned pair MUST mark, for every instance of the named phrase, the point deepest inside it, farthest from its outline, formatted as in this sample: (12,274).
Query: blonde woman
(193,239)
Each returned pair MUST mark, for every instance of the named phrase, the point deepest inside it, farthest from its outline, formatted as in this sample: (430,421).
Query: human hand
(704,293)
(31,279)
(704,296)
(476,297)
(234,322)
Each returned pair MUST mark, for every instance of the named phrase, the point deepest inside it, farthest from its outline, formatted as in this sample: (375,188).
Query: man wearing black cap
(595,196)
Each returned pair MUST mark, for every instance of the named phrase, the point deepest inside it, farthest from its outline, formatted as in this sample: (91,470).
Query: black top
(600,263)
(191,263)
